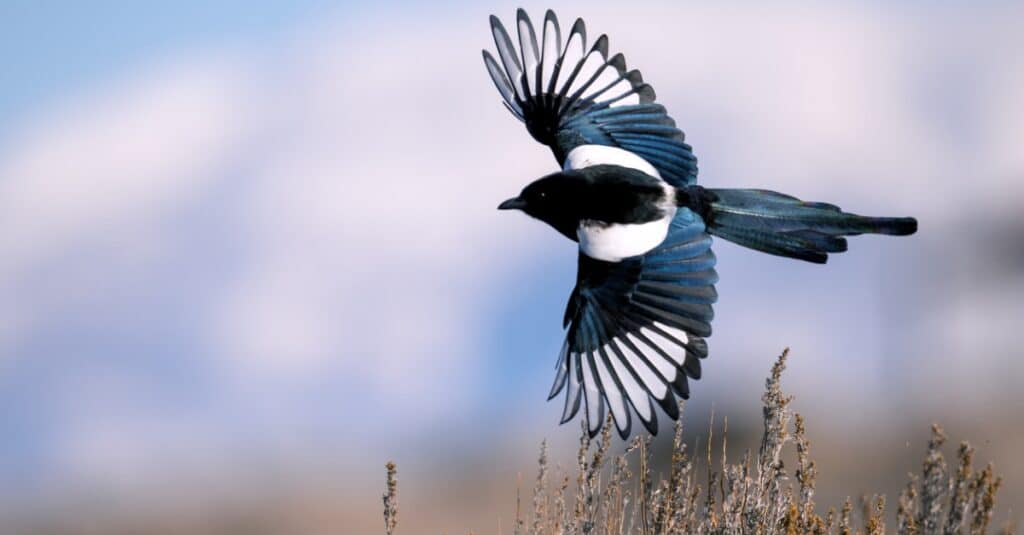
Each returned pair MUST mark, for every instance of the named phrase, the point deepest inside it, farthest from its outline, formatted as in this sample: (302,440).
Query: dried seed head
(391,499)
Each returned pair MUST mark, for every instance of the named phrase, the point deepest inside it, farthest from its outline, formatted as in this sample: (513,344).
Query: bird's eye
(543,195)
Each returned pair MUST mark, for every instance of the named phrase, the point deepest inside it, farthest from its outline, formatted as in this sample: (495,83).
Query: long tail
(782,225)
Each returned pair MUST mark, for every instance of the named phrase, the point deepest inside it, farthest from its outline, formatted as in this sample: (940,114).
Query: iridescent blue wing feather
(636,329)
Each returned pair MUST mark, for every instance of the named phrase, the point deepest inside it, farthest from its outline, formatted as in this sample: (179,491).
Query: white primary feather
(616,93)
(592,63)
(591,394)
(552,49)
(637,394)
(572,395)
(679,334)
(666,368)
(676,352)
(655,385)
(572,55)
(612,394)
(562,368)
(509,58)
(530,54)
(606,78)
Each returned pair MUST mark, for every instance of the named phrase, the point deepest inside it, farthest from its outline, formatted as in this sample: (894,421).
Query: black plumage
(600,193)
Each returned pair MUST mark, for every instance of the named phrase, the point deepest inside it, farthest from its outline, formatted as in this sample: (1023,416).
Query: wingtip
(579,27)
(568,412)
(697,347)
(692,367)
(681,385)
(645,92)
(669,405)
(496,23)
(618,61)
(626,428)
(601,45)
(652,425)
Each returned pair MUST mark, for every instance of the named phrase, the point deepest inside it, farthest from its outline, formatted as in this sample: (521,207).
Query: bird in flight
(641,310)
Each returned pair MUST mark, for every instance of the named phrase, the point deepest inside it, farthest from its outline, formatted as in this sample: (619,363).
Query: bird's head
(553,199)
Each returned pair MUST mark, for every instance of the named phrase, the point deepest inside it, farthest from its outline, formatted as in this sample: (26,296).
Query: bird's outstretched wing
(637,329)
(570,96)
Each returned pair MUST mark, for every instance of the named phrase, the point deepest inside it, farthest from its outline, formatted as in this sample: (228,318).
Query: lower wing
(637,328)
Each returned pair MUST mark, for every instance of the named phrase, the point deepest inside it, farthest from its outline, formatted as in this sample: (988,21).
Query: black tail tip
(903,226)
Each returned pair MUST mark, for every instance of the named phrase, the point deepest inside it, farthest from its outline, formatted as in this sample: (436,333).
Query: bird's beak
(515,203)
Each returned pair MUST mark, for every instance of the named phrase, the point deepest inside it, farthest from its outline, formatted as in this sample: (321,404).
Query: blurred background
(249,252)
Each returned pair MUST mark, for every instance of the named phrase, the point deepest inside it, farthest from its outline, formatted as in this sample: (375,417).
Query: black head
(553,199)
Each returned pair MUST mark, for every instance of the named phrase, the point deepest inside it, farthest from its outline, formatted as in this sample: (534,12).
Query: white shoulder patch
(587,155)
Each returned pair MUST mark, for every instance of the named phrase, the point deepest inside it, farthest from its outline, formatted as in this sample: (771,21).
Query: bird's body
(615,212)
(627,194)
(613,241)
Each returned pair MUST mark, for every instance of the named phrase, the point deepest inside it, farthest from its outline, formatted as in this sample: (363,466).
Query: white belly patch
(587,155)
(613,242)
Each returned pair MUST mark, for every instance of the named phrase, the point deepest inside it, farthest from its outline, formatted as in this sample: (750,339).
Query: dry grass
(391,499)
(619,495)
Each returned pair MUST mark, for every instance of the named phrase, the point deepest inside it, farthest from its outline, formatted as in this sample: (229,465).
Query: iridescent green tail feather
(782,225)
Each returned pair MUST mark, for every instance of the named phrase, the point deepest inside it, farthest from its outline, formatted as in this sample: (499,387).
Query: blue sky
(221,238)
(51,49)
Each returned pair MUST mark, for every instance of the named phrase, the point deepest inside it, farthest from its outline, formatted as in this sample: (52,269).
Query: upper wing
(637,328)
(569,96)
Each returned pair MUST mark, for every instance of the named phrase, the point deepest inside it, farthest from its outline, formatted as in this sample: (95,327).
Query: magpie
(641,309)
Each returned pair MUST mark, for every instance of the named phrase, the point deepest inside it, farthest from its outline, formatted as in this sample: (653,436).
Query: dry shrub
(753,495)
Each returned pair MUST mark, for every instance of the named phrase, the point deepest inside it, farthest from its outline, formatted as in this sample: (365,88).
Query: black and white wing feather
(637,329)
(569,95)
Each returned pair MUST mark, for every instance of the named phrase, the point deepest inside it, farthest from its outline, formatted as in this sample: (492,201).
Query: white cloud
(108,160)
